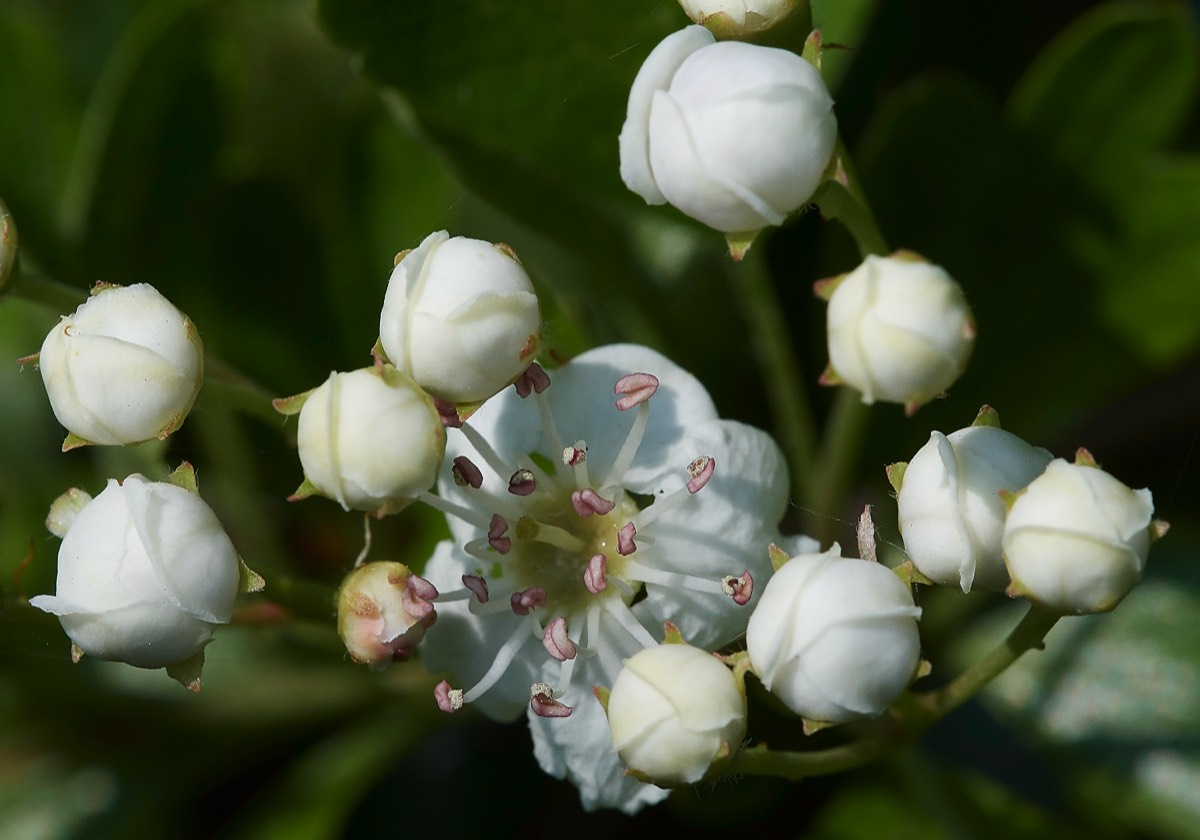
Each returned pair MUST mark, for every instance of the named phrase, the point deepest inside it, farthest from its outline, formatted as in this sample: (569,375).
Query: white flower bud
(834,638)
(734,135)
(124,368)
(736,18)
(673,710)
(145,572)
(370,440)
(951,515)
(460,317)
(9,242)
(383,613)
(1076,539)
(899,330)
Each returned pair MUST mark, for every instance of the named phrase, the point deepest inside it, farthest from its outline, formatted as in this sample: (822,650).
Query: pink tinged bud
(466,473)
(496,531)
(477,585)
(573,456)
(635,389)
(594,576)
(542,701)
(556,641)
(741,589)
(448,413)
(534,379)
(527,600)
(449,699)
(625,543)
(701,471)
(522,483)
(587,501)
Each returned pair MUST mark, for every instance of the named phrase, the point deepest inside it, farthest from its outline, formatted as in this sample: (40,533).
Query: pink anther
(544,705)
(595,576)
(533,379)
(739,588)
(448,413)
(573,456)
(497,528)
(701,471)
(478,586)
(635,389)
(527,600)
(417,598)
(522,483)
(465,472)
(449,699)
(587,501)
(625,543)
(556,641)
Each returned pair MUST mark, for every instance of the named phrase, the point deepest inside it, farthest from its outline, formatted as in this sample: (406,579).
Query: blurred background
(261,164)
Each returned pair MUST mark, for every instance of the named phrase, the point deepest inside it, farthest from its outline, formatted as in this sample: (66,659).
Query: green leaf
(1115,85)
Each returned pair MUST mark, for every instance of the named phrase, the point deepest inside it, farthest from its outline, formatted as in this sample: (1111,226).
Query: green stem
(787,396)
(844,200)
(1028,634)
(909,716)
(841,446)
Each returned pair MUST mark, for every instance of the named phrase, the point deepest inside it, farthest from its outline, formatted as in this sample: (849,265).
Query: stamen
(522,483)
(576,456)
(629,448)
(543,704)
(556,641)
(449,699)
(498,464)
(478,586)
(625,543)
(466,473)
(594,577)
(676,580)
(466,514)
(700,470)
(553,440)
(529,528)
(495,535)
(617,609)
(417,597)
(533,379)
(635,389)
(739,588)
(527,600)
(448,413)
(587,501)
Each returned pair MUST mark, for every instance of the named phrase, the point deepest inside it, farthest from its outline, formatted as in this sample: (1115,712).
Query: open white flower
(578,530)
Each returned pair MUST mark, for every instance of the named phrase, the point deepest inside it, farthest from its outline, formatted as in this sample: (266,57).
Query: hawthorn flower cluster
(612,538)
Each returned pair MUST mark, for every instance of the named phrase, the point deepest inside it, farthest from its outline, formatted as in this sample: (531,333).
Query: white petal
(655,75)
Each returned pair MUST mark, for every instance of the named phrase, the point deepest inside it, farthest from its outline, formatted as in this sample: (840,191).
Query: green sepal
(306,489)
(288,406)
(739,243)
(778,556)
(100,286)
(184,477)
(76,653)
(64,509)
(1083,458)
(31,359)
(187,672)
(74,441)
(391,506)
(1008,497)
(671,634)
(812,49)
(379,354)
(1158,529)
(895,474)
(830,377)
(811,727)
(910,574)
(987,416)
(248,579)
(924,669)
(602,694)
(824,288)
